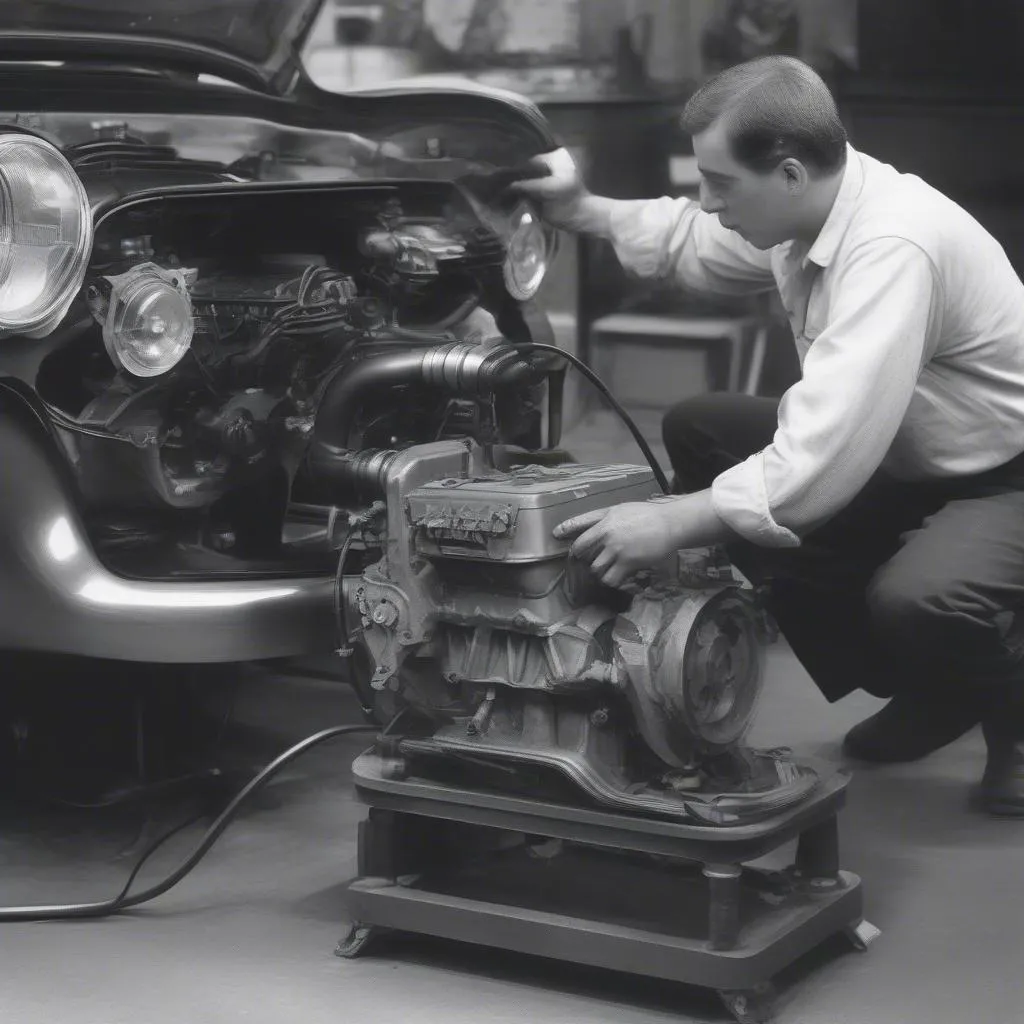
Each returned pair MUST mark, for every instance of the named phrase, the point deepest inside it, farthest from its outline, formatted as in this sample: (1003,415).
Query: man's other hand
(619,541)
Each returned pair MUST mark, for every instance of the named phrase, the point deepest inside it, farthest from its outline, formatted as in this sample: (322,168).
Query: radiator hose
(460,368)
(455,367)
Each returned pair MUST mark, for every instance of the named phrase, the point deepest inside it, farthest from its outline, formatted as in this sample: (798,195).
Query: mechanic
(881,501)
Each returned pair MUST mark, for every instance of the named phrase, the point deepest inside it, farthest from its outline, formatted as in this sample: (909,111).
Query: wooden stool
(746,338)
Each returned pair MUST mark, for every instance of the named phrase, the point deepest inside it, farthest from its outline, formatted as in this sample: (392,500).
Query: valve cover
(508,517)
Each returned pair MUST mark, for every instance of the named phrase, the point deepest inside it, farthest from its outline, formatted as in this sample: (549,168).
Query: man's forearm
(588,215)
(693,521)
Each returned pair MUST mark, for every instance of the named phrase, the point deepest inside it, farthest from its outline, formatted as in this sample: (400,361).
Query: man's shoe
(1002,786)
(912,725)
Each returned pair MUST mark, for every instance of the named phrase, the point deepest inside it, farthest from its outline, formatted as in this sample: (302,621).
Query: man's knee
(706,434)
(685,430)
(920,615)
(692,419)
(738,425)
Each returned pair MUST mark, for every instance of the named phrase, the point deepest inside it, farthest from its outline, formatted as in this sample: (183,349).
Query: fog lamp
(526,261)
(45,235)
(149,325)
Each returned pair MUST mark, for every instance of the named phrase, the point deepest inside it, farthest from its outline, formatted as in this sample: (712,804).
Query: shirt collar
(839,217)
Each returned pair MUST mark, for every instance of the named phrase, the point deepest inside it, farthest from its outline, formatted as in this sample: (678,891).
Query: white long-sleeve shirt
(909,326)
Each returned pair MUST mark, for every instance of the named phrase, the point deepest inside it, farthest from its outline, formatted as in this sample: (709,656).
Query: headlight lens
(148,327)
(527,260)
(45,235)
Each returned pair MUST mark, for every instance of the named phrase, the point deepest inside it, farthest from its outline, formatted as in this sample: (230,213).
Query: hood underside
(252,41)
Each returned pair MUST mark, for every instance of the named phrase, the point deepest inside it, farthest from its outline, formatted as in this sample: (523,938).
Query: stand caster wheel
(355,942)
(750,1005)
(862,934)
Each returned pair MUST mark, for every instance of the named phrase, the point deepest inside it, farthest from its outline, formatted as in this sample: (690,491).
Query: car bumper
(57,596)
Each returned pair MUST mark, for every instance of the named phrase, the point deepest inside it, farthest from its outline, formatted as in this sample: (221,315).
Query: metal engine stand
(627,893)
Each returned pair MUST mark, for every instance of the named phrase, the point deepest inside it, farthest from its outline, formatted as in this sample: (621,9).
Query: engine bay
(374,300)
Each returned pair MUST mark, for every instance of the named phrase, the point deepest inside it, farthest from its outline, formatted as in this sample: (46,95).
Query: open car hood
(252,42)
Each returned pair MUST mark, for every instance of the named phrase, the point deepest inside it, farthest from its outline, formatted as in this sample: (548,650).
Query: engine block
(510,652)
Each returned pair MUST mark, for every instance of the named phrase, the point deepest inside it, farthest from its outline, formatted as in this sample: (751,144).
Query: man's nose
(709,202)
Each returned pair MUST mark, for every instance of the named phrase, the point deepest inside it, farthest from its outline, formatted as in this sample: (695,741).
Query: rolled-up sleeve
(673,240)
(837,423)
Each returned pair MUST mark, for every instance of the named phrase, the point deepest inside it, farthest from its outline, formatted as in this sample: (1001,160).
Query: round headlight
(45,235)
(526,261)
(149,325)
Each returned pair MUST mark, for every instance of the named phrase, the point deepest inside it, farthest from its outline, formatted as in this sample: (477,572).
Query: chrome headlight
(148,325)
(527,257)
(45,235)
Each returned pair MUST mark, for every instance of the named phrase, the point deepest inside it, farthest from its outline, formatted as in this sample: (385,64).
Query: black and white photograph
(512,511)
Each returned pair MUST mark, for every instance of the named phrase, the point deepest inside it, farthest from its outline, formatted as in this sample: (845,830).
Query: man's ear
(796,176)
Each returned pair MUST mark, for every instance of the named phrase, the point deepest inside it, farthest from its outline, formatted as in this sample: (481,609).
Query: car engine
(492,649)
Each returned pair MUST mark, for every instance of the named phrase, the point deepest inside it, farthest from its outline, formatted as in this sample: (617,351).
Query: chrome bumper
(55,594)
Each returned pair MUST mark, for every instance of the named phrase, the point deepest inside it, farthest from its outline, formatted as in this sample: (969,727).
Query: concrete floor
(249,935)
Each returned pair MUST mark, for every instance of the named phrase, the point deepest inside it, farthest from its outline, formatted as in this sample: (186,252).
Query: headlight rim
(126,289)
(515,288)
(44,318)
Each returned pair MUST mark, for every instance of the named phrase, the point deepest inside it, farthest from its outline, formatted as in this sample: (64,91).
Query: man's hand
(619,541)
(559,191)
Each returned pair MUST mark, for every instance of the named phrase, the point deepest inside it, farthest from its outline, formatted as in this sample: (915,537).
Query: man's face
(761,208)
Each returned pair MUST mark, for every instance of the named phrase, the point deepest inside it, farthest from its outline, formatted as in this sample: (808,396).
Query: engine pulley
(695,660)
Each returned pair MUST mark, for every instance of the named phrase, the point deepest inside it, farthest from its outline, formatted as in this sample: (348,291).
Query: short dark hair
(777,107)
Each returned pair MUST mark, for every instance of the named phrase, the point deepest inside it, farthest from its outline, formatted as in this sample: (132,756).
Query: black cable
(437,328)
(344,641)
(122,901)
(343,644)
(556,406)
(659,473)
(204,371)
(457,315)
(413,334)
(66,422)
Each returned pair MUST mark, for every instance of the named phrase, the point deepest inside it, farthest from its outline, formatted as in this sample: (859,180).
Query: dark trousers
(911,586)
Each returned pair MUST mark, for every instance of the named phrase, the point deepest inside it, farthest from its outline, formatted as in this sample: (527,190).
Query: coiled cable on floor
(123,901)
(659,473)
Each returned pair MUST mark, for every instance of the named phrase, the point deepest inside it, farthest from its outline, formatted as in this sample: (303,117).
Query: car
(275,383)
(228,301)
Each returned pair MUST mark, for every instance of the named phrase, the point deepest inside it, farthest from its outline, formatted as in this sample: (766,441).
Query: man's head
(770,148)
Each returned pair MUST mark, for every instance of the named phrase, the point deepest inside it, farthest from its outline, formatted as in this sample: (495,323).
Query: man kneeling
(882,500)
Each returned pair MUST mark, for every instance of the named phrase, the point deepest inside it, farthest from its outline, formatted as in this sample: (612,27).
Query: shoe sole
(1000,810)
(996,808)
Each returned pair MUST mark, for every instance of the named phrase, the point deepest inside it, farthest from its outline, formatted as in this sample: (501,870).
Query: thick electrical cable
(123,900)
(659,473)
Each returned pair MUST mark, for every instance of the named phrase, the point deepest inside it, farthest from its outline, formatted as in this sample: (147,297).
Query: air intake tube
(459,368)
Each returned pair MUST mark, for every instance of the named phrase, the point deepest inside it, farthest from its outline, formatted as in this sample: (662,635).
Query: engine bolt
(394,768)
(824,883)
(599,717)
(385,614)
